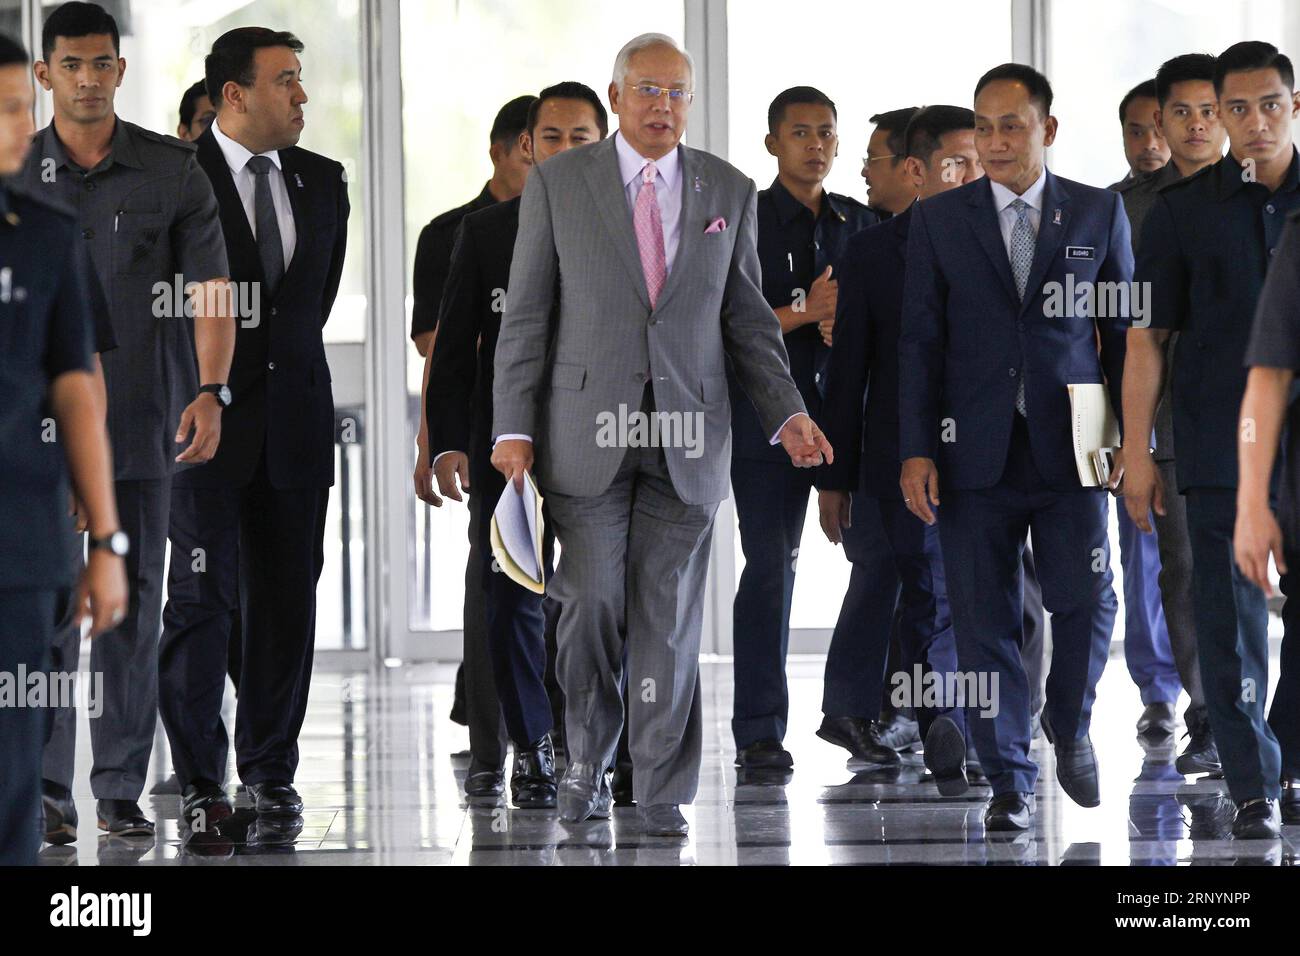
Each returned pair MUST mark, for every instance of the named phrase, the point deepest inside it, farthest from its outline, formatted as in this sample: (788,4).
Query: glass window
(164,44)
(867,58)
(1099,51)
(506,49)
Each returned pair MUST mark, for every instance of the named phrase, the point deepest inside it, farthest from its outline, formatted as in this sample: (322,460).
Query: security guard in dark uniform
(802,232)
(428,277)
(1273,355)
(1204,251)
(47,399)
(147,216)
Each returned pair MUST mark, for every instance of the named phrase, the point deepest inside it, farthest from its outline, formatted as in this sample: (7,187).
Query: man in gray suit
(635,272)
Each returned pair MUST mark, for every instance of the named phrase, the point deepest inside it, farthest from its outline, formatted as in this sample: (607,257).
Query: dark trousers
(60,756)
(121,738)
(254,554)
(925,621)
(1232,629)
(488,739)
(855,662)
(1176,586)
(983,534)
(771,502)
(26,627)
(516,636)
(1147,648)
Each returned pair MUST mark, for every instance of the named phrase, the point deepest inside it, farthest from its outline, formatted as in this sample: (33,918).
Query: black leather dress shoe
(60,813)
(532,781)
(1009,813)
(764,755)
(205,804)
(275,798)
(945,756)
(898,731)
(1257,820)
(483,782)
(1201,755)
(621,785)
(1157,720)
(123,818)
(1290,802)
(858,737)
(1076,767)
(584,793)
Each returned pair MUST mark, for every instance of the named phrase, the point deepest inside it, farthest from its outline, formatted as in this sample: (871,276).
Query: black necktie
(269,246)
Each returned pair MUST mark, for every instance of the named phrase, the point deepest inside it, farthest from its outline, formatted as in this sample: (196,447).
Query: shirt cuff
(501,438)
(450,451)
(776,439)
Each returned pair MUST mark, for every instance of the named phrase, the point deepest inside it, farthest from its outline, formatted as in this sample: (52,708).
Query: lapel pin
(698,184)
(297,178)
(1056,218)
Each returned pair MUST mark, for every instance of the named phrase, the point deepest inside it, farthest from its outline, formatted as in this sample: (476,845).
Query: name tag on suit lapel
(1080,252)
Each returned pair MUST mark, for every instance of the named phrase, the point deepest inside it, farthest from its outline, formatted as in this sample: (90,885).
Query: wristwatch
(222,393)
(116,543)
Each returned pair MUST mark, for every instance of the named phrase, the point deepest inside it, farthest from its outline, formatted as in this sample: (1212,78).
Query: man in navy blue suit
(986,353)
(939,155)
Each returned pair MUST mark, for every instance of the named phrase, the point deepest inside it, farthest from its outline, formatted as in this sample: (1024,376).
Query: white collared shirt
(668,189)
(237,157)
(1004,197)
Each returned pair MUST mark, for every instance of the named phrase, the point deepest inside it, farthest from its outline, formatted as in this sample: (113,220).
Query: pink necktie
(650,235)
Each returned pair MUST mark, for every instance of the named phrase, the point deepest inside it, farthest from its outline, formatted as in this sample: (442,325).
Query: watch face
(224,396)
(119,544)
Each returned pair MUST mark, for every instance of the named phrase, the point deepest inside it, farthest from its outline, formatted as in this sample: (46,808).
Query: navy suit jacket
(864,359)
(967,339)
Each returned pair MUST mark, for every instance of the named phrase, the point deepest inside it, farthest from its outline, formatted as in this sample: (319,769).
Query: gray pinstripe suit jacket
(578,337)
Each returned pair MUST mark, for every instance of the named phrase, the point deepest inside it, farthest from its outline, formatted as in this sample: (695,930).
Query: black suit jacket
(864,360)
(458,401)
(283,402)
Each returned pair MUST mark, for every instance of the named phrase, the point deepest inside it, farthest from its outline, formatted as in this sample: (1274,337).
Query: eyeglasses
(648,91)
(868,160)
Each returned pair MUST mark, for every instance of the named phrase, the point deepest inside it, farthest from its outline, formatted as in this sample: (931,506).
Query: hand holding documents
(1096,433)
(517,535)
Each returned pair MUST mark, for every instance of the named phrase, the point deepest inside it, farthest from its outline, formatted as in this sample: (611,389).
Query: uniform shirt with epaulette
(46,330)
(146,215)
(433,261)
(1139,195)
(1206,246)
(794,248)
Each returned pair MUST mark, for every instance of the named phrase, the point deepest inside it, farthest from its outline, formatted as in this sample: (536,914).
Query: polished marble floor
(381,775)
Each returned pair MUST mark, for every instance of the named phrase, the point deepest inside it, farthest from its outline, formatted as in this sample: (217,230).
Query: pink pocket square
(717,225)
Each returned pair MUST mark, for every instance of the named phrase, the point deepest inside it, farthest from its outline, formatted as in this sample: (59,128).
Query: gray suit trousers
(121,738)
(631,576)
(1176,586)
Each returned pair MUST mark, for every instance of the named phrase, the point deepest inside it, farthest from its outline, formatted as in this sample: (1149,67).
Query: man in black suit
(247,528)
(940,155)
(459,415)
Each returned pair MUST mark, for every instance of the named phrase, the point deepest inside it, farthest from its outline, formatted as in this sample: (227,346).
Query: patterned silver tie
(1022,260)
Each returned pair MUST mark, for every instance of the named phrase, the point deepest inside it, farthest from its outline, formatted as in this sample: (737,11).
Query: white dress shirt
(668,190)
(237,157)
(1004,197)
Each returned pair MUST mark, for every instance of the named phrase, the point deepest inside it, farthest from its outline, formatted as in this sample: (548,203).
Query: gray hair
(644,42)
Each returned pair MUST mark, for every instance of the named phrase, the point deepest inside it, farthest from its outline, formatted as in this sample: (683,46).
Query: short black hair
(894,122)
(1252,55)
(190,102)
(12,52)
(512,119)
(1188,66)
(796,96)
(1144,90)
(74,20)
(570,90)
(931,124)
(1040,91)
(234,56)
